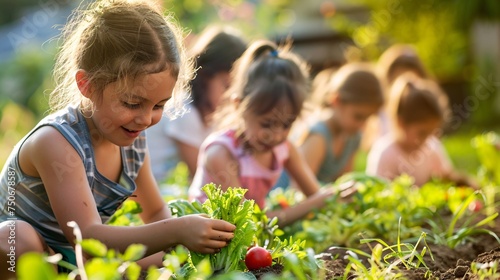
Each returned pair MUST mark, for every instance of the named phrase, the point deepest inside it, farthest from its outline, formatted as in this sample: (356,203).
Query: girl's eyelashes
(285,125)
(265,125)
(131,105)
(159,107)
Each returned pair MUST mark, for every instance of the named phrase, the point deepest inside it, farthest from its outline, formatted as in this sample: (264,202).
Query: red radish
(258,257)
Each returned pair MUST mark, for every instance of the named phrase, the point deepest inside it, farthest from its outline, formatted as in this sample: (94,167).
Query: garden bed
(446,263)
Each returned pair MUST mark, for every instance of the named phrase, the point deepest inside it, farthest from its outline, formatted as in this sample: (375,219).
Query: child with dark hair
(395,61)
(353,94)
(267,95)
(214,52)
(418,108)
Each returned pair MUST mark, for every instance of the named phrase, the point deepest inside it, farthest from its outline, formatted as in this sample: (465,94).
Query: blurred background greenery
(458,41)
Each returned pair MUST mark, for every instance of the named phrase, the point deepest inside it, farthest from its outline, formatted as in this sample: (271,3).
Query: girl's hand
(205,235)
(347,189)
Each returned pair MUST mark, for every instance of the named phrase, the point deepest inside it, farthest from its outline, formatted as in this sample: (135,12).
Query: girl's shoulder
(319,127)
(385,144)
(64,125)
(226,138)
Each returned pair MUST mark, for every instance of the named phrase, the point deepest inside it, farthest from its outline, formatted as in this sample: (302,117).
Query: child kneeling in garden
(269,87)
(120,63)
(418,108)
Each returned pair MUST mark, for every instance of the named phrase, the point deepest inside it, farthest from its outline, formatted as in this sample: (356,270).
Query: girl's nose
(145,118)
(280,134)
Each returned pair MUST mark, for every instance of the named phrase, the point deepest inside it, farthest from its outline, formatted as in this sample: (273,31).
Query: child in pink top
(251,172)
(389,160)
(417,108)
(267,94)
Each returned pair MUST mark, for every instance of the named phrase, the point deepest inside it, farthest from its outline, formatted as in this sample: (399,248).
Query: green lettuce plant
(229,206)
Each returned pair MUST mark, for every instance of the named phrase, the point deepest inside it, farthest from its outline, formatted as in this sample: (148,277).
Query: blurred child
(318,89)
(395,61)
(178,140)
(417,108)
(119,65)
(267,94)
(353,94)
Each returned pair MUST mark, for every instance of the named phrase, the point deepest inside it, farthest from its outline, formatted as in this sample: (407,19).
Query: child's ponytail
(264,75)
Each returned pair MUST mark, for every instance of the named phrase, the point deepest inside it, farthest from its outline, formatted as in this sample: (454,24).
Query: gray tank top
(29,195)
(333,165)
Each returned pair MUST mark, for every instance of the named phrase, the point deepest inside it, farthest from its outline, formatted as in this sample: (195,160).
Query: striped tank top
(30,200)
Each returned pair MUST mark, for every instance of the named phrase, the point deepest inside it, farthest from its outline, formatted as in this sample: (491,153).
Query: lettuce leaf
(230,206)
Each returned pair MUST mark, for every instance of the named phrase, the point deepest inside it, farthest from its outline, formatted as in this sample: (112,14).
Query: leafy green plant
(386,261)
(406,254)
(374,211)
(36,266)
(231,207)
(487,147)
(456,233)
(126,215)
(376,268)
(299,268)
(104,264)
(488,150)
(252,227)
(266,229)
(174,266)
(485,271)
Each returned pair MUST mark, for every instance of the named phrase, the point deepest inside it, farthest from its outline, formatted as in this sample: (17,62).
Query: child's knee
(20,237)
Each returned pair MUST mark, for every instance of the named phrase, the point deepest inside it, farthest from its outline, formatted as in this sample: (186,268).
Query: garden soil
(446,264)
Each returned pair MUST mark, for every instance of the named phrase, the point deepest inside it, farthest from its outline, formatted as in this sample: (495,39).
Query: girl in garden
(120,63)
(418,109)
(353,94)
(269,88)
(214,53)
(394,62)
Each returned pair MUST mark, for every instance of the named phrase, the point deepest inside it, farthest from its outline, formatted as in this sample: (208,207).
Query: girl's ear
(334,100)
(83,83)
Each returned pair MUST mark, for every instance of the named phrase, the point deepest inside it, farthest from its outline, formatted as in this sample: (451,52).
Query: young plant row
(397,216)
(255,247)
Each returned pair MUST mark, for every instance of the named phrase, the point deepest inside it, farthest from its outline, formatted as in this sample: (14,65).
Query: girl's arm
(307,183)
(65,180)
(148,195)
(296,212)
(314,149)
(188,154)
(300,172)
(222,167)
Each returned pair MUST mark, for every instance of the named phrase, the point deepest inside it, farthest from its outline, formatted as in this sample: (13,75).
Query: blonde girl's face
(414,135)
(121,115)
(265,131)
(352,117)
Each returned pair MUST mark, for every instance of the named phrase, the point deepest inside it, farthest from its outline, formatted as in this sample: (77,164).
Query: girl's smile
(132,133)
